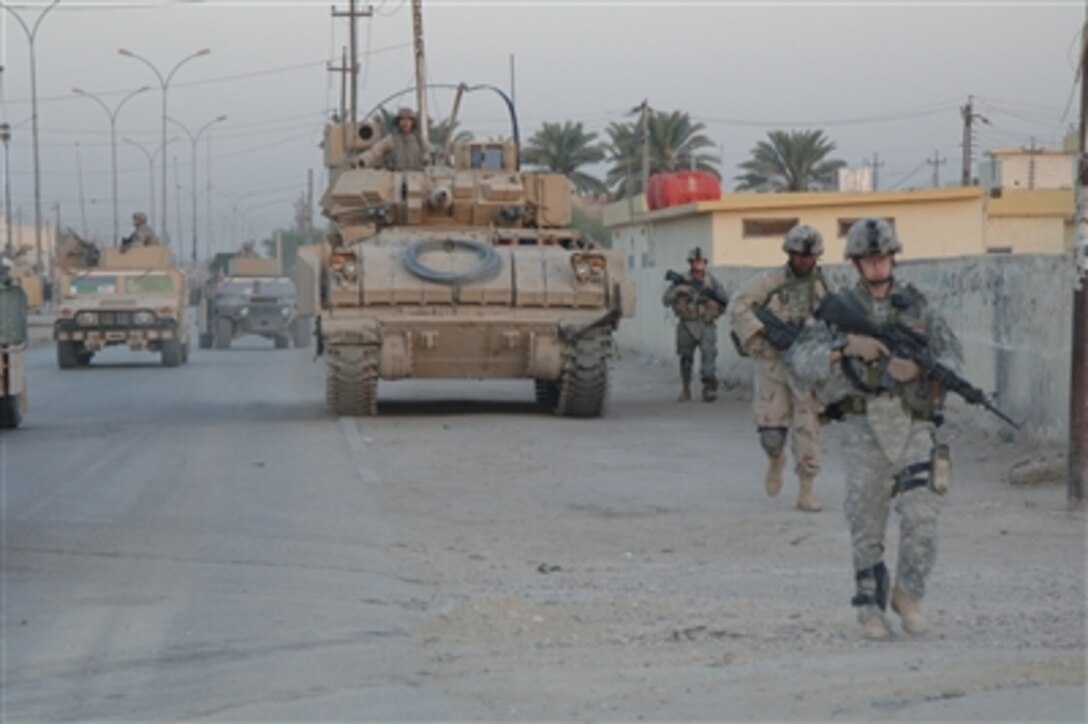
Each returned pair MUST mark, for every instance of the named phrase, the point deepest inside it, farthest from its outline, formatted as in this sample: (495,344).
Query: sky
(884,78)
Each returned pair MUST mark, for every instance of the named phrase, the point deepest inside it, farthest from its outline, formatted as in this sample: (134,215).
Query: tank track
(351,380)
(586,373)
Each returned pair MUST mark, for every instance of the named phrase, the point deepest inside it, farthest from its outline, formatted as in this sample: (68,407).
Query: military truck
(248,295)
(465,268)
(134,298)
(13,338)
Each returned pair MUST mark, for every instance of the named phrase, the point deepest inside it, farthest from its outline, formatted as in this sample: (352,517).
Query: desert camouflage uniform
(887,444)
(697,328)
(779,406)
(141,235)
(406,153)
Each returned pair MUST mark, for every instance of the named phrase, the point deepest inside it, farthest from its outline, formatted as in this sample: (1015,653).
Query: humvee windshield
(114,283)
(262,287)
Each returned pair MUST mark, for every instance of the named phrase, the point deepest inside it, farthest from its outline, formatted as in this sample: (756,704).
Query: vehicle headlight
(285,311)
(87,319)
(143,318)
(243,311)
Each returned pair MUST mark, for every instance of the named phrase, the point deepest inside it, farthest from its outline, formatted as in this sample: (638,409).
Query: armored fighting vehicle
(248,295)
(134,298)
(13,338)
(463,268)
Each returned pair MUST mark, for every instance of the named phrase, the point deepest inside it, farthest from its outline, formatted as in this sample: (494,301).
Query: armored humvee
(248,295)
(13,338)
(464,268)
(134,298)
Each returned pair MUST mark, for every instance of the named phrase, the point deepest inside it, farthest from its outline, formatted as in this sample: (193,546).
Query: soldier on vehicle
(890,414)
(696,328)
(786,295)
(398,151)
(141,235)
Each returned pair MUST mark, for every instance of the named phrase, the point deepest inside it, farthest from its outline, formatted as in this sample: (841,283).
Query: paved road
(207,543)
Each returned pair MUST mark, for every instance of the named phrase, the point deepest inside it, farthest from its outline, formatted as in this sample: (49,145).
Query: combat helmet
(139,217)
(405,112)
(696,254)
(803,239)
(871,236)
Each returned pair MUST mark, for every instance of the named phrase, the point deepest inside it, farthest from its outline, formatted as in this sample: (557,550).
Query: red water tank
(681,187)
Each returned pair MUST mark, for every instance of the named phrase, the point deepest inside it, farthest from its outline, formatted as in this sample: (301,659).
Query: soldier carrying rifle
(697,299)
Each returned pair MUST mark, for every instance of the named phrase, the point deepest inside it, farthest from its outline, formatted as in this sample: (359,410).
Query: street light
(113,141)
(165,83)
(194,138)
(150,164)
(5,137)
(31,35)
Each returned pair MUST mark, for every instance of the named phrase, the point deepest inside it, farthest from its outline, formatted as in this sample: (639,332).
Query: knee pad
(773,439)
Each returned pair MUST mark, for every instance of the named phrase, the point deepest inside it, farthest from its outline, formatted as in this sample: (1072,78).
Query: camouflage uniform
(888,445)
(696,329)
(141,235)
(779,406)
(406,153)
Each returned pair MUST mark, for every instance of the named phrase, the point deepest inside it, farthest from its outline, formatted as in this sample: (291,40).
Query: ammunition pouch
(940,477)
(879,597)
(911,477)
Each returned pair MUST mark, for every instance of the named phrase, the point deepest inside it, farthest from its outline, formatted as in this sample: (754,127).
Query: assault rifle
(701,289)
(903,342)
(780,335)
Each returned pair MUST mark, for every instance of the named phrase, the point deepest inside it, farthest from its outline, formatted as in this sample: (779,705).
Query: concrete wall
(1013,315)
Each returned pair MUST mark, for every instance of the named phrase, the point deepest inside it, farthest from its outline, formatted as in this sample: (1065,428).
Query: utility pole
(309,206)
(644,141)
(351,14)
(875,164)
(513,94)
(1078,388)
(969,118)
(82,200)
(343,69)
(936,162)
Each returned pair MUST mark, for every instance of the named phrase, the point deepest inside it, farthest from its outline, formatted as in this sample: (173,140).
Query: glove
(864,347)
(683,290)
(713,309)
(902,370)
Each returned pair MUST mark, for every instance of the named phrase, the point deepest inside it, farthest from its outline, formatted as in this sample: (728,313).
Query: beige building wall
(1026,222)
(1044,169)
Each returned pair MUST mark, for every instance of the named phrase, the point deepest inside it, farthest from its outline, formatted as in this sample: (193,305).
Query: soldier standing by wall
(789,293)
(890,416)
(697,326)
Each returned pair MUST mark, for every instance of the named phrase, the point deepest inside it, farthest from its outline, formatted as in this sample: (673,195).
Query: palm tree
(565,148)
(676,143)
(790,161)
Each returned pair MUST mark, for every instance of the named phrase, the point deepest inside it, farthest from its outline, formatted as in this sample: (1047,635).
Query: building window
(768,227)
(845,224)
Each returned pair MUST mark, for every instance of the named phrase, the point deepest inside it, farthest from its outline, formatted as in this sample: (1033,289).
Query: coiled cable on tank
(489,267)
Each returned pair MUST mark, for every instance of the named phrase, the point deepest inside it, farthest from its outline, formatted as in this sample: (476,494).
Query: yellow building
(746,229)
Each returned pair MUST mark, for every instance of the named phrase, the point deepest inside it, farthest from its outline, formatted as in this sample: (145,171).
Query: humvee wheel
(205,341)
(584,381)
(351,380)
(185,352)
(224,331)
(10,417)
(282,341)
(84,358)
(172,354)
(547,393)
(67,355)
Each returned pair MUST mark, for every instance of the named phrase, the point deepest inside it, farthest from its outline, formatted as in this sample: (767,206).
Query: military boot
(910,611)
(685,393)
(873,625)
(773,479)
(710,389)
(805,500)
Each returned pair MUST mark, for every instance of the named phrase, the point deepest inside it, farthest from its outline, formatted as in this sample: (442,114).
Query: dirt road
(207,542)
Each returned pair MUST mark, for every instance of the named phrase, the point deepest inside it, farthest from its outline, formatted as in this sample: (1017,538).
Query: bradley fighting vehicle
(465,268)
(132,297)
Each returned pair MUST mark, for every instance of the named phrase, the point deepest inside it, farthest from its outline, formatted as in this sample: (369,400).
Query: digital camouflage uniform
(696,329)
(888,444)
(406,153)
(141,235)
(779,406)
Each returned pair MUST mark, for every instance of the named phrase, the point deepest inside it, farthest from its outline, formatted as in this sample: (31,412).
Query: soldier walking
(697,326)
(890,415)
(789,295)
